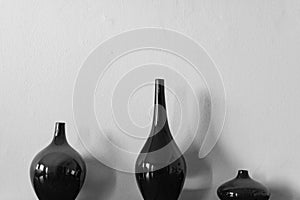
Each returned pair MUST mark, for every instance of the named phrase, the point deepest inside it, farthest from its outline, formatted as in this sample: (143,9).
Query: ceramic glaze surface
(58,171)
(243,188)
(160,168)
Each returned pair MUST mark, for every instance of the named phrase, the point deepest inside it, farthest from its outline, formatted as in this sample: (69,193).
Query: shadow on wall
(283,192)
(199,181)
(199,174)
(199,178)
(100,181)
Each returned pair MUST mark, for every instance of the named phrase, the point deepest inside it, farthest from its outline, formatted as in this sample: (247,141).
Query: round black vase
(58,171)
(160,167)
(243,188)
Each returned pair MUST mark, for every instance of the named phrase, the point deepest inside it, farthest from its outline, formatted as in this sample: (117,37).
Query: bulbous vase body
(58,171)
(243,188)
(160,167)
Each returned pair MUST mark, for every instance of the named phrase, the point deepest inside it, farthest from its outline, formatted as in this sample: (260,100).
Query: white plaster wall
(254,43)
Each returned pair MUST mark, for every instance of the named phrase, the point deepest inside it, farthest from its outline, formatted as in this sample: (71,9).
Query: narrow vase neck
(160,112)
(59,133)
(243,174)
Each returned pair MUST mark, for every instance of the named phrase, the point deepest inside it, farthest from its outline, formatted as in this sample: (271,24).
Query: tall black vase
(58,171)
(160,167)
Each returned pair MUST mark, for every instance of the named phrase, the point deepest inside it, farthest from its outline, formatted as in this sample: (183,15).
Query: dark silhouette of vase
(58,171)
(160,167)
(243,188)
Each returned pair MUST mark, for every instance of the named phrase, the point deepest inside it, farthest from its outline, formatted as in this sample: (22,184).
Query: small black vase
(58,171)
(160,167)
(243,188)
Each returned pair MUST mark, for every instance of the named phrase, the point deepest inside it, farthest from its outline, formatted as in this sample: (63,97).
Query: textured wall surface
(255,45)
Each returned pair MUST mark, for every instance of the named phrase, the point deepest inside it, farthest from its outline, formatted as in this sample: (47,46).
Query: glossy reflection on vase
(160,167)
(242,187)
(58,171)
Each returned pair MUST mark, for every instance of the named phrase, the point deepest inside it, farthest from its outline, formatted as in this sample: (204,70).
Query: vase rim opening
(160,81)
(60,122)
